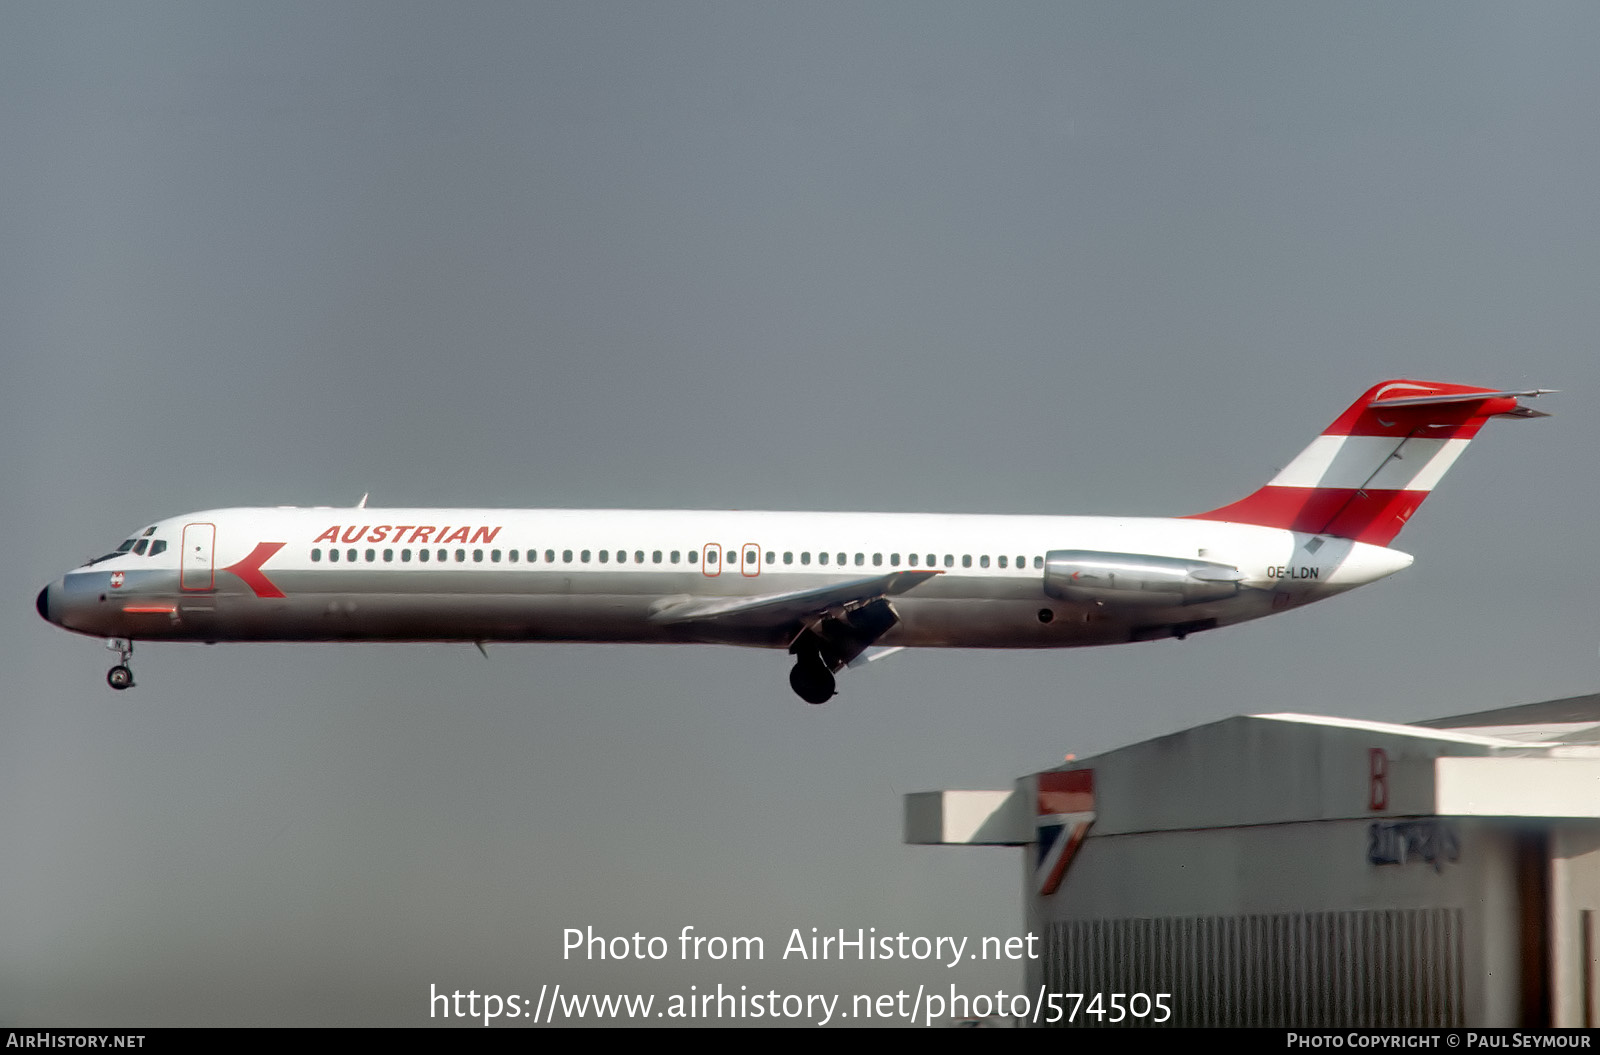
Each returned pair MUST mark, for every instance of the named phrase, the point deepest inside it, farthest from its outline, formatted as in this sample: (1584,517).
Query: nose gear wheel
(120,676)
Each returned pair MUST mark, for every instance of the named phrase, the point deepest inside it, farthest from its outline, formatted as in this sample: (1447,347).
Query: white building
(1297,870)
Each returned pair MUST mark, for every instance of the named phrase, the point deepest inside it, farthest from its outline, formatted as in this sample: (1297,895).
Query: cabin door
(195,558)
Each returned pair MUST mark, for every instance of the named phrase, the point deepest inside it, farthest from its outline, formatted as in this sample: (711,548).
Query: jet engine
(1136,578)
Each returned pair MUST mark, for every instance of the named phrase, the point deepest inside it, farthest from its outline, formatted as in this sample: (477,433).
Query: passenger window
(477,556)
(1038,562)
(550,556)
(333,556)
(771,557)
(822,558)
(733,558)
(443,555)
(933,560)
(788,557)
(949,560)
(405,556)
(316,555)
(1022,562)
(638,556)
(350,555)
(372,555)
(674,556)
(422,555)
(602,556)
(388,556)
(566,556)
(622,556)
(861,558)
(711,556)
(585,556)
(693,556)
(494,556)
(842,558)
(912,560)
(983,561)
(966,560)
(894,560)
(510,553)
(877,559)
(1002,562)
(805,558)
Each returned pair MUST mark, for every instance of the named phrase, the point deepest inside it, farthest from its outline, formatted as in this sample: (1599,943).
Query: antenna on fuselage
(363,503)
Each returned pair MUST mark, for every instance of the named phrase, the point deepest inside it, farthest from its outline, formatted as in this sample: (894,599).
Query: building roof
(1535,760)
(1573,720)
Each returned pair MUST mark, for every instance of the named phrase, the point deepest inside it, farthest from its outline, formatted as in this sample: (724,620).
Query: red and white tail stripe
(1370,470)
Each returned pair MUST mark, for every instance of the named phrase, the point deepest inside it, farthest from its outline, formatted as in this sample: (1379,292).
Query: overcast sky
(1033,258)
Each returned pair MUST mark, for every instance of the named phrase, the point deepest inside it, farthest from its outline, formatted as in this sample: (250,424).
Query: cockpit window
(120,550)
(158,546)
(140,540)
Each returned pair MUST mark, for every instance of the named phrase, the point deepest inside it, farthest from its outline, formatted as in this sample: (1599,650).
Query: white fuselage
(328,574)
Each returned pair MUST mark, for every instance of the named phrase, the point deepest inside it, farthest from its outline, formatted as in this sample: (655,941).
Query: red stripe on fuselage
(249,569)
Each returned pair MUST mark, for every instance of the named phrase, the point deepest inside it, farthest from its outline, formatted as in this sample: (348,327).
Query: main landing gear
(832,643)
(811,680)
(120,676)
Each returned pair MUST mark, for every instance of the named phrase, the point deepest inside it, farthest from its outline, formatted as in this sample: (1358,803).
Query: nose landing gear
(120,676)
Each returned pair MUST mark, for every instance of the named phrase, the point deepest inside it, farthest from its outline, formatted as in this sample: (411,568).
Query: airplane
(831,589)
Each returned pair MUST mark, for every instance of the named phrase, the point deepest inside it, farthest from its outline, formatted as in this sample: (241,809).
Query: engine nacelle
(1136,578)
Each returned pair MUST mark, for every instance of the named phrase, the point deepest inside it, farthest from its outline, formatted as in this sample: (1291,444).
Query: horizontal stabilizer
(1469,397)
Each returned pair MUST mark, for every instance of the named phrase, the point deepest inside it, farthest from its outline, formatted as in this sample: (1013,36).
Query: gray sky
(1054,258)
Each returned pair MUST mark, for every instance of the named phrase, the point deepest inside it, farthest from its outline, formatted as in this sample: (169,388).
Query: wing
(857,610)
(775,610)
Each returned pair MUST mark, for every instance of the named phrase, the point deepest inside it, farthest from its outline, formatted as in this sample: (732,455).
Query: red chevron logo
(249,569)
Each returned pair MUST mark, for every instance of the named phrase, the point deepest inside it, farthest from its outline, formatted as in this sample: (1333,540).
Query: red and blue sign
(1063,814)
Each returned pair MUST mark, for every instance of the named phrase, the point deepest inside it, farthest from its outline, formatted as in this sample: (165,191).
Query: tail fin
(1370,470)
